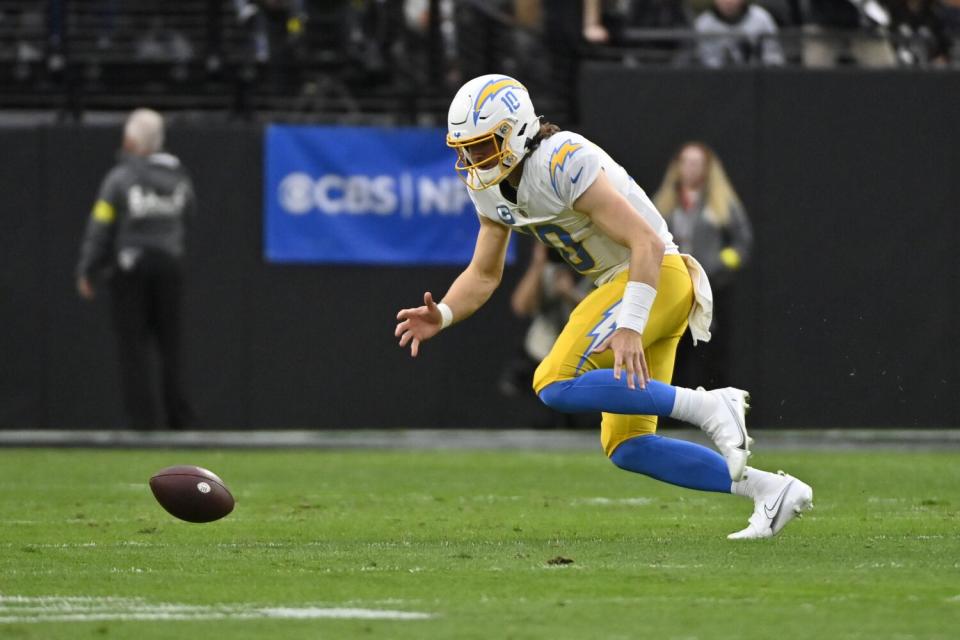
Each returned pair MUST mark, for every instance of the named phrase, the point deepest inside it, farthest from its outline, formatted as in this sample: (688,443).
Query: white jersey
(555,174)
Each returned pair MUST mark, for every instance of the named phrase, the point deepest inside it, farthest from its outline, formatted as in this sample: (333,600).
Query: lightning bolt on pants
(625,415)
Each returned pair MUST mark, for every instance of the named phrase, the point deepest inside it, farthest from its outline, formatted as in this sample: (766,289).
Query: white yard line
(29,609)
(601,501)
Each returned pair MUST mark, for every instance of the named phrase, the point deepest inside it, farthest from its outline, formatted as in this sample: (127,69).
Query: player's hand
(596,33)
(627,347)
(564,285)
(418,324)
(85,289)
(538,256)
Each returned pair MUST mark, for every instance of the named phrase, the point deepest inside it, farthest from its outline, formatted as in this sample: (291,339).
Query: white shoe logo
(736,419)
(771,512)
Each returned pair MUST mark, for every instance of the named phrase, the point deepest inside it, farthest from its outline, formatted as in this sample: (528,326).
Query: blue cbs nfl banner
(364,195)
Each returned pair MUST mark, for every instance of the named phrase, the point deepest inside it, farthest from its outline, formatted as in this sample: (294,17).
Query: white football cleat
(776,507)
(727,427)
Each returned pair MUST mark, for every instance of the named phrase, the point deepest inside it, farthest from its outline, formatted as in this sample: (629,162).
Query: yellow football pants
(570,355)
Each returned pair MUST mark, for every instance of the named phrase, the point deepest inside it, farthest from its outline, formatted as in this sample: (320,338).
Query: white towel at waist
(702,313)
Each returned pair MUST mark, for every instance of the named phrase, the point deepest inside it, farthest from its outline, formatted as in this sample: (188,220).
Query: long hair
(718,194)
(547,129)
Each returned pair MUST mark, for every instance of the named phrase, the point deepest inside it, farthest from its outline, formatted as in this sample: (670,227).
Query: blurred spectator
(846,31)
(417,43)
(707,221)
(163,44)
(372,26)
(919,32)
(135,239)
(380,35)
(547,293)
(24,37)
(29,26)
(784,12)
(274,25)
(594,30)
(735,32)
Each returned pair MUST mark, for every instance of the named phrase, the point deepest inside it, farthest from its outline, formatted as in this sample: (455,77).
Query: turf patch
(466,537)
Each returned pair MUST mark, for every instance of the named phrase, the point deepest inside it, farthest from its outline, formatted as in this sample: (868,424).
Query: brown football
(192,493)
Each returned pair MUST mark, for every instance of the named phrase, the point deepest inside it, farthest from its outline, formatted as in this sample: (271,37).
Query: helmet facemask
(495,158)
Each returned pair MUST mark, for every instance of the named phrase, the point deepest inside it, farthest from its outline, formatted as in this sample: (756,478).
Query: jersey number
(573,252)
(511,101)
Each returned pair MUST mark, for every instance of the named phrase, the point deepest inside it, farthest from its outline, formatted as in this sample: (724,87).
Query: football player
(616,353)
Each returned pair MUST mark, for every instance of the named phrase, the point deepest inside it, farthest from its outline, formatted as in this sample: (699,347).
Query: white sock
(755,482)
(693,406)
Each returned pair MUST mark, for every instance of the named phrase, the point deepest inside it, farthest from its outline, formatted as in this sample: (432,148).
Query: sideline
(471,439)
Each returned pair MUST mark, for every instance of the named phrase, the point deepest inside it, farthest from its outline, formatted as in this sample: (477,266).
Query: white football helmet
(489,123)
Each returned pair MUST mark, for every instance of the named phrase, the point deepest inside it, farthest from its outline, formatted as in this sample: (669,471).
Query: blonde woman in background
(708,221)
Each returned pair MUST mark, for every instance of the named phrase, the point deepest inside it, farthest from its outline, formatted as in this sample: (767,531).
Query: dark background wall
(845,318)
(267,346)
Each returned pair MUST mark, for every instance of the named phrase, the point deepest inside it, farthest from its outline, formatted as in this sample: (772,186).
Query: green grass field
(466,537)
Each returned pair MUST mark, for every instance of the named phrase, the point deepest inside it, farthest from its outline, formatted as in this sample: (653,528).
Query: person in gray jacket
(708,221)
(134,242)
(736,32)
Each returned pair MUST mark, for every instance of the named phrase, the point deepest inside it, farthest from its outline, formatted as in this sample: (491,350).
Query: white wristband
(635,308)
(446,313)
